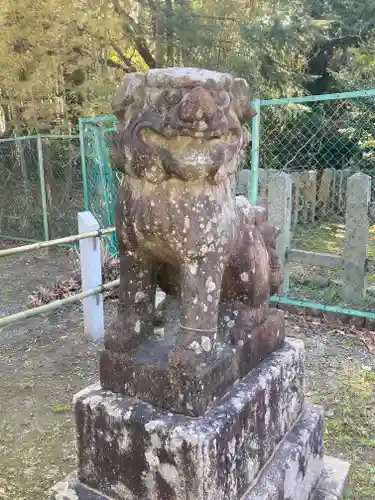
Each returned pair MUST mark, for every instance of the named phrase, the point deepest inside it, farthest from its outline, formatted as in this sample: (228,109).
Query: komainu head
(184,123)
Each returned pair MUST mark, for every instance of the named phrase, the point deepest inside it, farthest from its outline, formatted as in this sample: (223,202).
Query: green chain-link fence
(321,141)
(40,187)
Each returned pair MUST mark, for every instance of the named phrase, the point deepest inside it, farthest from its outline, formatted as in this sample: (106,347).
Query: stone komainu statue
(179,142)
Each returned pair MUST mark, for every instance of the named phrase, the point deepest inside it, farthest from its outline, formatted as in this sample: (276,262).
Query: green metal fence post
(110,188)
(255,137)
(42,187)
(99,158)
(83,162)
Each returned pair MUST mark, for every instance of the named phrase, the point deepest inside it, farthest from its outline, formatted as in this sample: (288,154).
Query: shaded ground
(45,361)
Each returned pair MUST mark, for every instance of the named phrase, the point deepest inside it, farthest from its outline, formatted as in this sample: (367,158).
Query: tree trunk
(170,32)
(159,39)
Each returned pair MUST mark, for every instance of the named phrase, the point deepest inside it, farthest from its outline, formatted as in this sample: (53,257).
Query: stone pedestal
(260,441)
(147,373)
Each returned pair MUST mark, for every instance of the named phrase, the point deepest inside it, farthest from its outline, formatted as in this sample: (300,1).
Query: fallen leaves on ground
(65,288)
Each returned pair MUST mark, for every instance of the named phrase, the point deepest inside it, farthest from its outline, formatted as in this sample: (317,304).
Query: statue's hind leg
(168,280)
(246,285)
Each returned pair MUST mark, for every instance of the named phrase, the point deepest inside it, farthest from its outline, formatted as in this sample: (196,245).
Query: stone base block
(147,374)
(295,469)
(72,489)
(334,480)
(332,485)
(128,449)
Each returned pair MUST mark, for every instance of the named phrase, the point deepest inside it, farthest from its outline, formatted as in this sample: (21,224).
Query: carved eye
(173,96)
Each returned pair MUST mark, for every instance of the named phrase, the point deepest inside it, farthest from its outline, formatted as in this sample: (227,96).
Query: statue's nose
(196,105)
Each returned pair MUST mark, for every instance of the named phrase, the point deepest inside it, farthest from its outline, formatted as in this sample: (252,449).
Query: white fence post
(356,237)
(280,215)
(91,276)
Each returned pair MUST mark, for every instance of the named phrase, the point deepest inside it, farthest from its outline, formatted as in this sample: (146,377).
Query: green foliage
(61,60)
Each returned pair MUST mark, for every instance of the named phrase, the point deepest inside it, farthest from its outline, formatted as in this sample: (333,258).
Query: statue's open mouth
(193,149)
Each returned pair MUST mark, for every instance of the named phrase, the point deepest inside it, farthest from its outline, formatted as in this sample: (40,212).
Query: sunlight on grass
(323,238)
(350,423)
(322,284)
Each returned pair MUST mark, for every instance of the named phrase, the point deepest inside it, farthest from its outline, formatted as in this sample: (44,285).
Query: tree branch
(120,53)
(114,64)
(135,33)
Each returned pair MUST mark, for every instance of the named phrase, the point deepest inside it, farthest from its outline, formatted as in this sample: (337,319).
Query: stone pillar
(204,400)
(358,196)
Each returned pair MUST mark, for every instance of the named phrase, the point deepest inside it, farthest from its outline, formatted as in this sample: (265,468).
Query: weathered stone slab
(72,489)
(334,480)
(355,252)
(332,483)
(129,449)
(297,465)
(148,374)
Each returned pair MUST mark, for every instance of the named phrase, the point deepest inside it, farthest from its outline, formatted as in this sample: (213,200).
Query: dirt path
(44,361)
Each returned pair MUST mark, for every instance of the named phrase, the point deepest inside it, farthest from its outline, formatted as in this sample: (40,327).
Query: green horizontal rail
(35,137)
(321,307)
(321,97)
(63,136)
(57,304)
(20,138)
(94,119)
(17,238)
(52,243)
